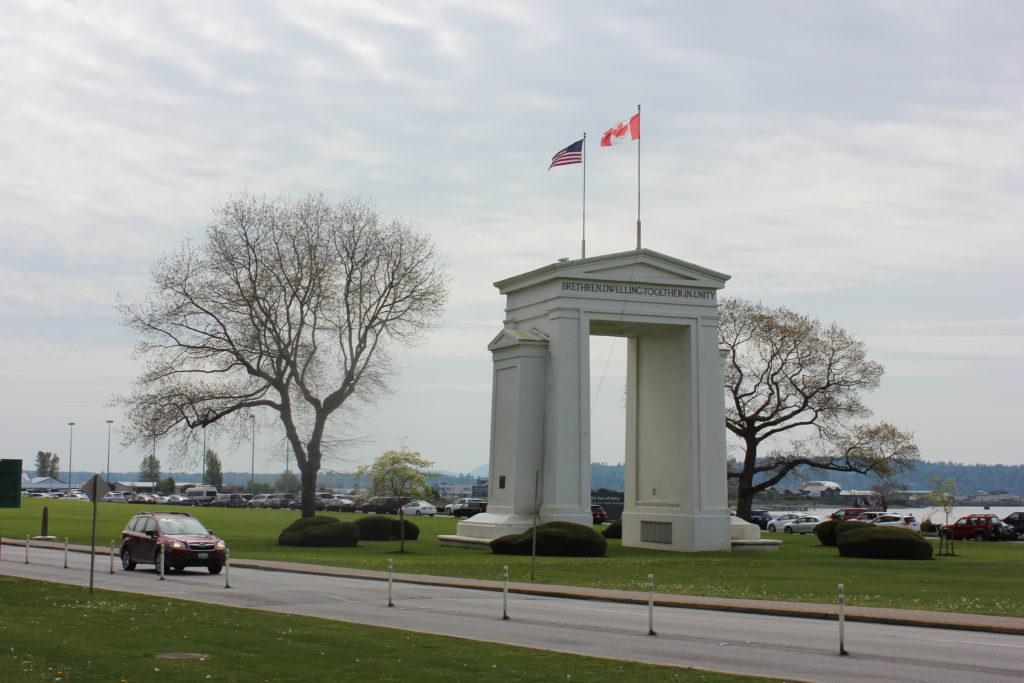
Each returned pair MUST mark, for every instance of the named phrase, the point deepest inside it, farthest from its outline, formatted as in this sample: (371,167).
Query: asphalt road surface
(761,645)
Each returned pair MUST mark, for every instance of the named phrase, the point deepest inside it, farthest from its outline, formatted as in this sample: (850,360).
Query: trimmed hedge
(613,530)
(829,530)
(554,539)
(319,532)
(884,542)
(374,527)
(381,528)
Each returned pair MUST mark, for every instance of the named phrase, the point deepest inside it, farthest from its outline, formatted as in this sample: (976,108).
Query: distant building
(821,489)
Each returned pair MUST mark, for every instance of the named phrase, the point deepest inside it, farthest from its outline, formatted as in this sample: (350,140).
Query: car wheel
(126,559)
(771,528)
(788,529)
(979,536)
(180,569)
(214,568)
(418,513)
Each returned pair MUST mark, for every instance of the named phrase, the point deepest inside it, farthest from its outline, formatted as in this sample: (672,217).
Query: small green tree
(165,487)
(943,496)
(47,464)
(214,474)
(149,468)
(400,474)
(288,483)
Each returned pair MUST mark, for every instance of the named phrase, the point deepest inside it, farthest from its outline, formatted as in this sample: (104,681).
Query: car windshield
(181,527)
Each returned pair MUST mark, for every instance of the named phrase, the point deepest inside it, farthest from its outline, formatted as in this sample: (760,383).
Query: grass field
(52,632)
(982,578)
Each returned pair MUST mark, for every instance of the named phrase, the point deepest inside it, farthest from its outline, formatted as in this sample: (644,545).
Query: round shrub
(829,530)
(613,530)
(412,532)
(319,532)
(561,539)
(884,542)
(374,527)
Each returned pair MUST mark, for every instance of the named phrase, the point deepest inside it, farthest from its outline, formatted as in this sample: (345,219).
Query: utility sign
(96,488)
(10,483)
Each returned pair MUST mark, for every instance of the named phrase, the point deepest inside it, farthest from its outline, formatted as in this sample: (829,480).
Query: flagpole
(583,244)
(638,186)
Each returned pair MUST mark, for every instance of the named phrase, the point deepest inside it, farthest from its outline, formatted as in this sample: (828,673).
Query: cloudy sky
(857,161)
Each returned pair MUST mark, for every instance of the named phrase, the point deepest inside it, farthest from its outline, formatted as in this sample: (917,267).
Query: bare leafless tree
(287,308)
(786,372)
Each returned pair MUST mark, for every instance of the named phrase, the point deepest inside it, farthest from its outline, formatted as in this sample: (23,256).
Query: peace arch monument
(675,452)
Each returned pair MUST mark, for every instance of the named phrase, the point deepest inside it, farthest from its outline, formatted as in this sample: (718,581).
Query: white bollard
(504,605)
(162,563)
(28,542)
(111,556)
(842,621)
(650,605)
(65,552)
(391,568)
(227,569)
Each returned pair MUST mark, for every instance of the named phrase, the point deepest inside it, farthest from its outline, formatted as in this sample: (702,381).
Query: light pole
(252,475)
(203,482)
(71,441)
(109,423)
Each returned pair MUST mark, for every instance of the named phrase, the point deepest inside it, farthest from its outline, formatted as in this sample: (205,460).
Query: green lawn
(800,571)
(53,632)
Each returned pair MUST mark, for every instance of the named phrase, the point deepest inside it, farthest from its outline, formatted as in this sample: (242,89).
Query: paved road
(782,647)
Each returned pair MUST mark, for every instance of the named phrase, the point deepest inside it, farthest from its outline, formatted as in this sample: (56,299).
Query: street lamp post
(71,441)
(109,423)
(252,475)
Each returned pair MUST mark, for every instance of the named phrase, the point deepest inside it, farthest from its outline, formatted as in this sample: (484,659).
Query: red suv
(984,527)
(185,542)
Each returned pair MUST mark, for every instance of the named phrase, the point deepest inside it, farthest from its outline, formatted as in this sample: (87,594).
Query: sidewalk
(881,615)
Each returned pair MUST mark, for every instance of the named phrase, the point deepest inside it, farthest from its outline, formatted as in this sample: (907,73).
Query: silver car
(802,525)
(892,519)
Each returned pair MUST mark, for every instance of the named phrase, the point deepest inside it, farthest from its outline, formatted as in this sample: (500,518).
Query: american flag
(573,154)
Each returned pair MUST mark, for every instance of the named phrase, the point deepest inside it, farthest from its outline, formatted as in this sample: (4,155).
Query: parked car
(260,500)
(419,507)
(339,504)
(598,514)
(378,505)
(183,538)
(228,500)
(281,501)
(802,525)
(450,508)
(776,523)
(114,497)
(143,499)
(201,495)
(983,527)
(471,508)
(1016,520)
(870,515)
(296,503)
(850,513)
(760,518)
(892,519)
(177,500)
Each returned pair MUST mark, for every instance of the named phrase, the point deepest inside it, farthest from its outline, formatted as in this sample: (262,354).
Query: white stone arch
(675,452)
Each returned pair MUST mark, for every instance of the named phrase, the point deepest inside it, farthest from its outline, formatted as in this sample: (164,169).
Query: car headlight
(221,545)
(177,545)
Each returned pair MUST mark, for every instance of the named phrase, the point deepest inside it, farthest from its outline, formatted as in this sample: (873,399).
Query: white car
(802,525)
(869,516)
(419,507)
(776,523)
(892,519)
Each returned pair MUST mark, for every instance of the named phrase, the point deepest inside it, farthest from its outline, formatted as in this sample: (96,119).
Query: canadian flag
(622,132)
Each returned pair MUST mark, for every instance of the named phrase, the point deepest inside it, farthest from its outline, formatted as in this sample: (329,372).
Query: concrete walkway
(882,615)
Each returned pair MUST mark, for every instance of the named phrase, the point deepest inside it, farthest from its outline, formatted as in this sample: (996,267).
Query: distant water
(936,515)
